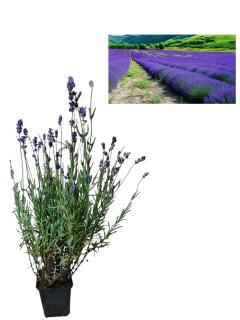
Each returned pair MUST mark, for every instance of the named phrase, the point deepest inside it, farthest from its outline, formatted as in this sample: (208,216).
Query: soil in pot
(56,299)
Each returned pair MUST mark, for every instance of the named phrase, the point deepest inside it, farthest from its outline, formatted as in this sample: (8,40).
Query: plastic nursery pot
(55,301)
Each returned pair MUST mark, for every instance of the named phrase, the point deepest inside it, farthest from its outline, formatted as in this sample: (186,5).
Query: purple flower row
(195,86)
(119,61)
(212,70)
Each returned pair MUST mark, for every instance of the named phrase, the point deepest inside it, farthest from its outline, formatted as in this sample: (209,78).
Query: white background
(178,255)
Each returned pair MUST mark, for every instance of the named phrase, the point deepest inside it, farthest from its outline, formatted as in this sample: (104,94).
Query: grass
(123,81)
(141,84)
(137,73)
(135,70)
(199,49)
(203,43)
(110,99)
(131,73)
(151,98)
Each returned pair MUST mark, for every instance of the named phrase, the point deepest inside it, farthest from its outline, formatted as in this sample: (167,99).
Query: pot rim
(69,286)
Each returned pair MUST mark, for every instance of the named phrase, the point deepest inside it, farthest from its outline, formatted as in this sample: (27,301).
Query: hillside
(203,42)
(144,38)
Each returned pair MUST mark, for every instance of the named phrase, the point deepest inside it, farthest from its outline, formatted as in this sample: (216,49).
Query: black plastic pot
(55,301)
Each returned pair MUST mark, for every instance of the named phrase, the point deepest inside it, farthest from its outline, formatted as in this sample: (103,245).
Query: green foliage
(198,93)
(123,81)
(134,72)
(142,46)
(141,84)
(222,77)
(159,45)
(204,42)
(131,73)
(187,42)
(123,46)
(151,98)
(144,38)
(61,203)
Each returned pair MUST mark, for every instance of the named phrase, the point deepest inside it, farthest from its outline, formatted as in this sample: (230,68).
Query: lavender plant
(61,202)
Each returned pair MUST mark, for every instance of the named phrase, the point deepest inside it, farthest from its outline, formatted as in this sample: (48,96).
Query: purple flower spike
(71,106)
(35,143)
(74,137)
(25,132)
(19,126)
(60,120)
(82,112)
(70,84)
(140,159)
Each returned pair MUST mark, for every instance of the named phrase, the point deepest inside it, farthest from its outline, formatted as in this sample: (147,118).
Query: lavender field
(197,77)
(119,62)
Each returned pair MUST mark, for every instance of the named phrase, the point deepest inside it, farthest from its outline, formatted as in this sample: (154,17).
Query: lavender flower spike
(25,132)
(19,126)
(74,137)
(114,140)
(70,84)
(82,111)
(145,175)
(140,159)
(60,120)
(35,143)
(71,106)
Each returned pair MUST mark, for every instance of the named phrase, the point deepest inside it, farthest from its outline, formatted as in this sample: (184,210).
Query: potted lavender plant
(61,204)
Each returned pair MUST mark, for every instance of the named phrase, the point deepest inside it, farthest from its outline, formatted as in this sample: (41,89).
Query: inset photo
(169,69)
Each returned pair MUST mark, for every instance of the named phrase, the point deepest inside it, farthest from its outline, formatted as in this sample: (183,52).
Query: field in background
(203,43)
(196,68)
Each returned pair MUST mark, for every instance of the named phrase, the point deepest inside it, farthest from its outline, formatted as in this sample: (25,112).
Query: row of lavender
(118,63)
(200,77)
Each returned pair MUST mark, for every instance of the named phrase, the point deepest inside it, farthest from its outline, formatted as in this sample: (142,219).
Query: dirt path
(138,87)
